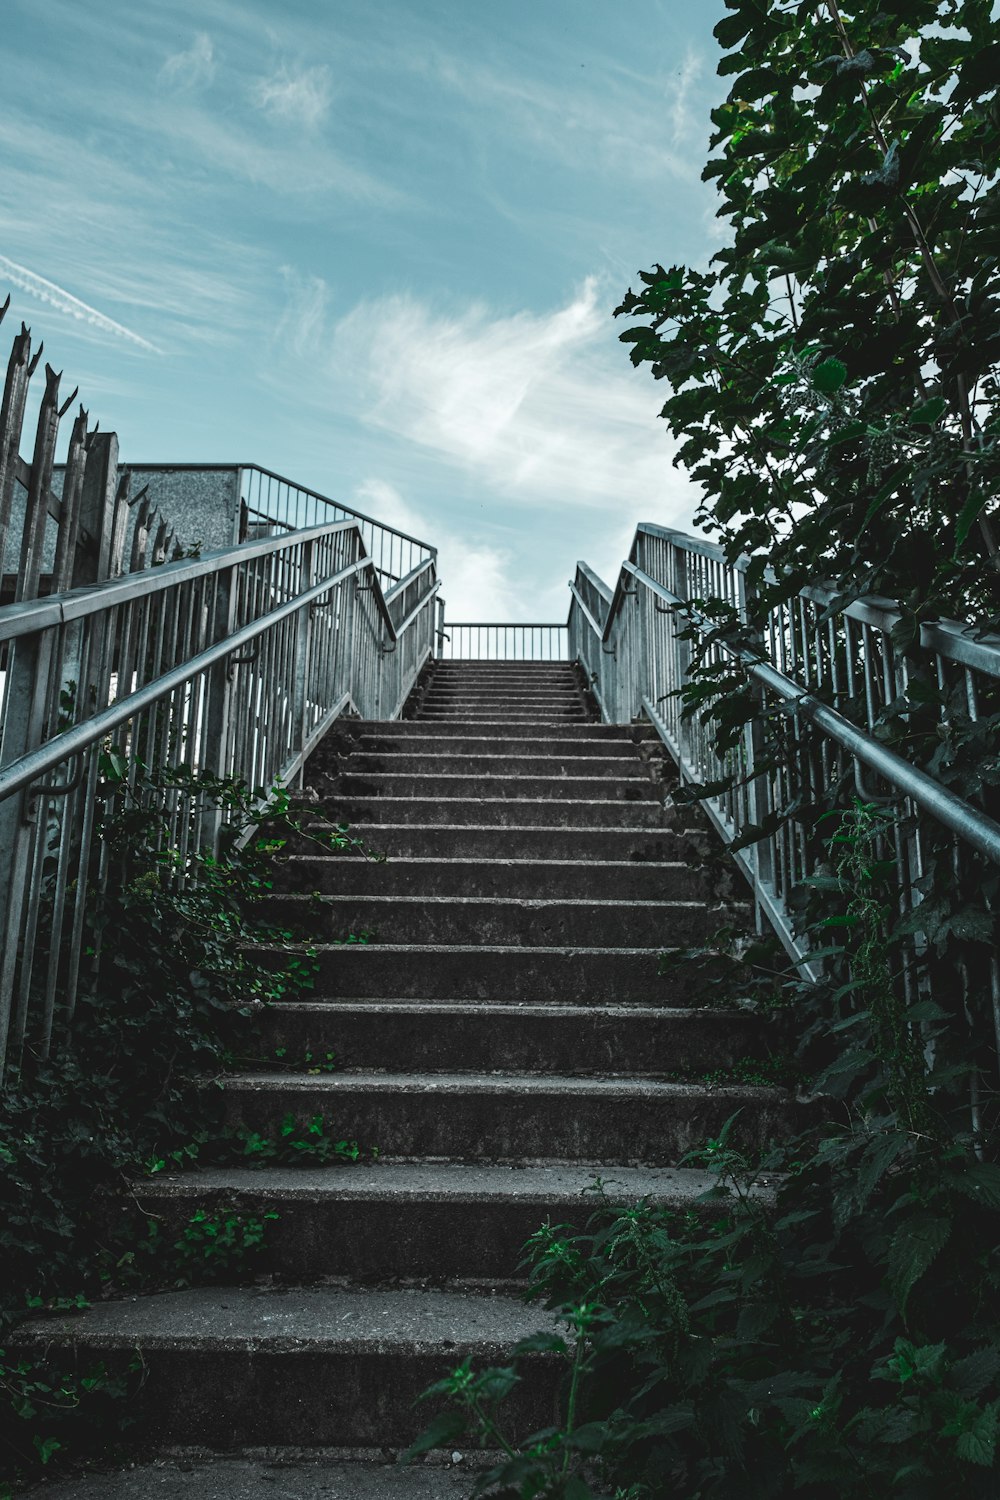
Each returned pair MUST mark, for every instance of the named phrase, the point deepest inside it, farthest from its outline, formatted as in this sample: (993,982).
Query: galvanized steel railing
(478,641)
(812,664)
(234,663)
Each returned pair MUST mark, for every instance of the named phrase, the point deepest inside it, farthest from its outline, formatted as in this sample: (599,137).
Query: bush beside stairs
(504,1040)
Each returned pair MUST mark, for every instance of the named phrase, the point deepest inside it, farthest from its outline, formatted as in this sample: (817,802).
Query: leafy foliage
(171,990)
(827,1322)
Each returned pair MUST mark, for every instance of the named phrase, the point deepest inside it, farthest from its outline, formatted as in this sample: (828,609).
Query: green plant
(173,984)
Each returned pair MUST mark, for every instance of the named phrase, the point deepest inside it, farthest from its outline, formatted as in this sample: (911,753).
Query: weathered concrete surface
(510,921)
(473,840)
(499,812)
(496,786)
(396,1035)
(329,1478)
(439,1223)
(539,879)
(452,971)
(305,1367)
(470,1117)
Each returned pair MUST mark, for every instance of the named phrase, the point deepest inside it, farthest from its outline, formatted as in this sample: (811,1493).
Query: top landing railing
(833,673)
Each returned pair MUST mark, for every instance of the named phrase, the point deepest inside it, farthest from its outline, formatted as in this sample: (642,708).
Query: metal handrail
(971,825)
(159,662)
(834,667)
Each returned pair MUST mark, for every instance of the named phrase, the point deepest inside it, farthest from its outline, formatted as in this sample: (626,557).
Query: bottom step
(199,1478)
(320,1367)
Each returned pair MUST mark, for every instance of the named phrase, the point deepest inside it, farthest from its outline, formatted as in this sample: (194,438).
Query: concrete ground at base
(255,1479)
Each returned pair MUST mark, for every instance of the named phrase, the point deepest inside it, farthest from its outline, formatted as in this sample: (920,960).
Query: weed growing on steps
(170,997)
(828,1324)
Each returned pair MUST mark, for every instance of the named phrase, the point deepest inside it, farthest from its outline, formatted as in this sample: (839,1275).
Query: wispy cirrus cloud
(542,408)
(301,98)
(63,301)
(194,68)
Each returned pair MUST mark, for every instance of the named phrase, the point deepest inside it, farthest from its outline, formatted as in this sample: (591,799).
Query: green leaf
(914,1247)
(928,412)
(981,1182)
(978,1443)
(969,514)
(443,1432)
(829,376)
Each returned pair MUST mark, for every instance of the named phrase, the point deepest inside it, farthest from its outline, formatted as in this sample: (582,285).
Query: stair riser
(502,975)
(643,846)
(464,714)
(603,768)
(514,1040)
(555,787)
(508,1127)
(468,1241)
(496,922)
(500,699)
(612,753)
(500,877)
(366,729)
(551,812)
(250,1395)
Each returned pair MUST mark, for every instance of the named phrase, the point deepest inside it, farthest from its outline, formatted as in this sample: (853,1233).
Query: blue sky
(374,245)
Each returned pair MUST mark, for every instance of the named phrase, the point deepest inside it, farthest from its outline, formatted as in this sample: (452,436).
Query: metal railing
(479,641)
(235,663)
(273,502)
(833,672)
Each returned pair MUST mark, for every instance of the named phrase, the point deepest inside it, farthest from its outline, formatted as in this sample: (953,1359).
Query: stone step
(403,761)
(558,749)
(442,1222)
(304,1367)
(465,714)
(500,920)
(505,975)
(323,1475)
(438,786)
(456,1037)
(509,1118)
(531,879)
(499,812)
(589,730)
(543,699)
(640,846)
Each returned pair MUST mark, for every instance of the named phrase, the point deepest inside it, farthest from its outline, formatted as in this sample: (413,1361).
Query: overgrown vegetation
(169,1000)
(833,389)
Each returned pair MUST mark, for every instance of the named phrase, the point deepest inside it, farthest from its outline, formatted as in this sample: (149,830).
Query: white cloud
(542,408)
(298,99)
(194,68)
(56,296)
(475,576)
(301,325)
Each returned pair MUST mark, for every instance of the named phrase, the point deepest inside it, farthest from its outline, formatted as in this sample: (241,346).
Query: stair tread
(290,1320)
(192,1476)
(436,1181)
(471,1084)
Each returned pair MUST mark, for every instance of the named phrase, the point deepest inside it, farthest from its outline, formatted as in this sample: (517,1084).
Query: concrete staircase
(502,1040)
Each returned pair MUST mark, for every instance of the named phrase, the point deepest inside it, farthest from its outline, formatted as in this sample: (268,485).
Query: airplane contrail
(58,297)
